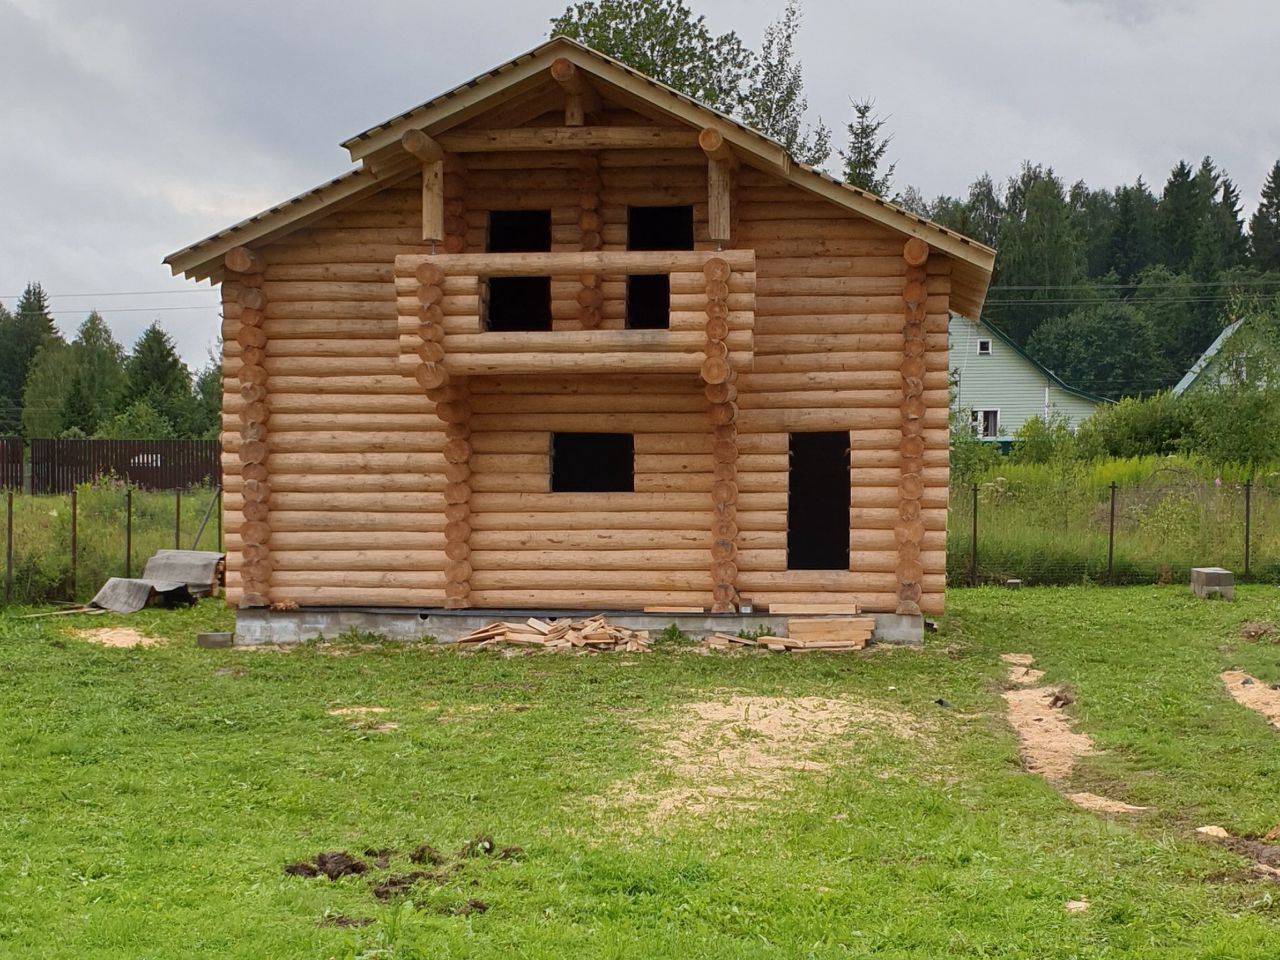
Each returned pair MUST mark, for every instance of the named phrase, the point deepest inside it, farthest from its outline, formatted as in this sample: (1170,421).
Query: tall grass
(41,569)
(1049,523)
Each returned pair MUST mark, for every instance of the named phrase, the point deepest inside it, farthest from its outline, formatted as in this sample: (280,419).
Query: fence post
(128,532)
(1111,538)
(8,550)
(74,550)
(1248,503)
(218,518)
(973,542)
(177,518)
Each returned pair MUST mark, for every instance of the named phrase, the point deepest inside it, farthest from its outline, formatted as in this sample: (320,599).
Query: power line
(111,293)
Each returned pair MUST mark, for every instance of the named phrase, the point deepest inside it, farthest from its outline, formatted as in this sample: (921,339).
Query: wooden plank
(567,138)
(786,609)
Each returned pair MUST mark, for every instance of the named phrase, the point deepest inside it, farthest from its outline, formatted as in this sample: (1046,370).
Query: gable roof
(384,162)
(1041,368)
(1197,368)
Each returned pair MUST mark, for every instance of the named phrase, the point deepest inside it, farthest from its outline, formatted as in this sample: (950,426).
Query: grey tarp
(171,576)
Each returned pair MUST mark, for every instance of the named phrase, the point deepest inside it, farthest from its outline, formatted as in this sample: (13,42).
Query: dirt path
(1253,693)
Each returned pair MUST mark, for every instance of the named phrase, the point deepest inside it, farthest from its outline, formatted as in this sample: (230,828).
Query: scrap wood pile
(808,635)
(592,635)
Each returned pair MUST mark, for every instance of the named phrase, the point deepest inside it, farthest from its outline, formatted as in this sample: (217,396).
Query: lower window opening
(592,463)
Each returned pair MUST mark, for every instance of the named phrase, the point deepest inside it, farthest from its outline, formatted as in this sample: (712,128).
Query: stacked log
(455,205)
(422,337)
(255,530)
(718,377)
(909,530)
(591,296)
(453,407)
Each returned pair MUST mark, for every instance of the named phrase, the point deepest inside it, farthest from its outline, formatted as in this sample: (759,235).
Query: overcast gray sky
(134,127)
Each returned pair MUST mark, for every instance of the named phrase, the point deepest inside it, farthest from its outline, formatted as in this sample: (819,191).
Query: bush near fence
(41,569)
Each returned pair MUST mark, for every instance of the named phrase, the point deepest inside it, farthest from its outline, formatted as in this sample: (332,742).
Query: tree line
(92,387)
(1117,290)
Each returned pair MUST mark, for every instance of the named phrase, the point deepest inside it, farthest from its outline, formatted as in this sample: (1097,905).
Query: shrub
(1159,425)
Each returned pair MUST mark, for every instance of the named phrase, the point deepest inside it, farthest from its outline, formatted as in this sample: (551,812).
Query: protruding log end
(243,260)
(915,251)
(713,144)
(563,70)
(421,146)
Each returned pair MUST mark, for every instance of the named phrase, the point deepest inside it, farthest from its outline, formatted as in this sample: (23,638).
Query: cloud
(136,127)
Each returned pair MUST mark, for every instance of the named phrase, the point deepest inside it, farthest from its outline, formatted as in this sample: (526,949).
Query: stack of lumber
(810,634)
(592,635)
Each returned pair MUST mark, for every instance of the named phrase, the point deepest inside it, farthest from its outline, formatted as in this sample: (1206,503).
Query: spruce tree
(1264,225)
(1178,217)
(78,412)
(20,337)
(1133,236)
(45,390)
(157,378)
(775,103)
(99,364)
(865,150)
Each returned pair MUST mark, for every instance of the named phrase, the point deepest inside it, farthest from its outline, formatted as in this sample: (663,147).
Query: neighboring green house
(1002,387)
(1209,371)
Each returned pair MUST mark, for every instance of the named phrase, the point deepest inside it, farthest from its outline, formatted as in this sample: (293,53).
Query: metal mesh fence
(1154,531)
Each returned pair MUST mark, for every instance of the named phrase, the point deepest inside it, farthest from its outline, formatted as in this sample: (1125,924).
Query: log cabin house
(568,340)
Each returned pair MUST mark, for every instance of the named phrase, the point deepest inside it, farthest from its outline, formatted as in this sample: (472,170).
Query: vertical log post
(431,154)
(580,98)
(973,541)
(590,186)
(8,549)
(177,518)
(255,528)
(719,184)
(722,393)
(909,530)
(128,533)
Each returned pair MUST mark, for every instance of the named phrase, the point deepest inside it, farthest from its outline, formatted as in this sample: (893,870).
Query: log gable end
(383,447)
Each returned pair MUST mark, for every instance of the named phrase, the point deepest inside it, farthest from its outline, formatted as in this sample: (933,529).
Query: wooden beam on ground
(568,138)
(580,97)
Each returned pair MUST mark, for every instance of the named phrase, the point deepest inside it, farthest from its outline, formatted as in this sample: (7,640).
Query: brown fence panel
(58,465)
(11,463)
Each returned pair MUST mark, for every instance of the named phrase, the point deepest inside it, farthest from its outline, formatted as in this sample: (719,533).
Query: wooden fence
(10,463)
(58,465)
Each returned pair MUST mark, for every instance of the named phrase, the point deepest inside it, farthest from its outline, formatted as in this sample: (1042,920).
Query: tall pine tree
(1264,225)
(99,366)
(156,377)
(1178,218)
(1133,234)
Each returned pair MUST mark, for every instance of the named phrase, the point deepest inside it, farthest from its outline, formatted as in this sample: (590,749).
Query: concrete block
(214,641)
(1213,582)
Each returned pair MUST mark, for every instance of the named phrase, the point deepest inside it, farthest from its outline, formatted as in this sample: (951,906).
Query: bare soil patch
(1257,629)
(118,637)
(1091,801)
(355,711)
(1047,744)
(1253,693)
(733,755)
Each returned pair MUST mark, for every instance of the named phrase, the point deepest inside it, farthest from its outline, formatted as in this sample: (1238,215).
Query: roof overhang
(384,161)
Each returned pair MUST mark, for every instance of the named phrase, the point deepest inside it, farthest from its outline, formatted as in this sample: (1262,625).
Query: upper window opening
(592,463)
(655,228)
(519,303)
(986,423)
(984,348)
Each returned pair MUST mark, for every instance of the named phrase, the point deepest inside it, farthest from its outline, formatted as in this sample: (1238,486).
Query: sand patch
(1021,673)
(1091,801)
(1046,742)
(1253,693)
(735,755)
(118,637)
(355,711)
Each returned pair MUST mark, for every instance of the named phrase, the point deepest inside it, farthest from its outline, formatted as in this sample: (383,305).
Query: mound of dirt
(124,638)
(739,753)
(1253,693)
(1256,630)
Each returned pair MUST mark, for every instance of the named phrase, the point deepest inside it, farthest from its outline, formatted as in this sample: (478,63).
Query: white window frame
(978,419)
(987,351)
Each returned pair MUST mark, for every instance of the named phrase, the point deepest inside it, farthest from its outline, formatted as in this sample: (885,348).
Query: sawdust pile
(732,756)
(118,637)
(1091,801)
(1253,693)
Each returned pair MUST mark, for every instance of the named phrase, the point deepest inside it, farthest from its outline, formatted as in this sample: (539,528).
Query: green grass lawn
(150,798)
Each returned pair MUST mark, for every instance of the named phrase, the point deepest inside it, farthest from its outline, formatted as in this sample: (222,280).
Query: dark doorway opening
(655,228)
(519,303)
(592,463)
(818,502)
